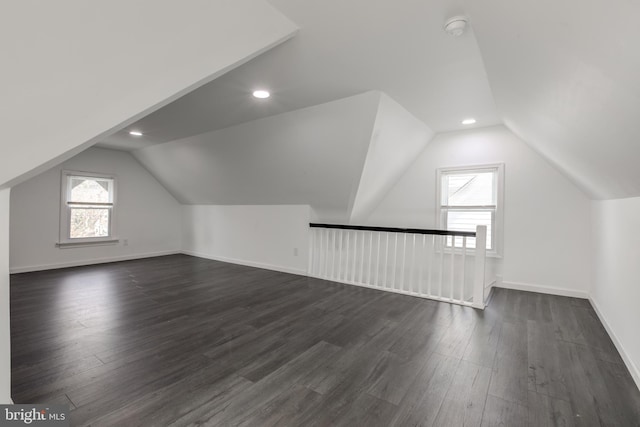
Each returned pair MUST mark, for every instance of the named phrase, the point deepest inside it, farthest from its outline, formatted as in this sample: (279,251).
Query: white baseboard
(633,369)
(256,264)
(28,269)
(529,287)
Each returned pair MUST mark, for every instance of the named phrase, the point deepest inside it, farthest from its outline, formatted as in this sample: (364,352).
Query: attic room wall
(396,139)
(547,218)
(146,215)
(311,155)
(5,342)
(614,291)
(271,237)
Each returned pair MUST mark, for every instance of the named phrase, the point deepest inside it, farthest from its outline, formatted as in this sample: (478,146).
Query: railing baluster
(361,259)
(394,270)
(419,263)
(404,257)
(340,237)
(326,255)
(378,261)
(412,264)
(464,267)
(355,256)
(386,262)
(319,252)
(452,268)
(333,256)
(432,255)
(370,253)
(346,258)
(440,277)
(478,276)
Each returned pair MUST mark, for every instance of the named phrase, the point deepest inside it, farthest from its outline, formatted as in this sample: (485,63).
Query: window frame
(65,239)
(497,219)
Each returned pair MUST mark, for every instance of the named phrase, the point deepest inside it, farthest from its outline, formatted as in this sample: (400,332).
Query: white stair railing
(437,264)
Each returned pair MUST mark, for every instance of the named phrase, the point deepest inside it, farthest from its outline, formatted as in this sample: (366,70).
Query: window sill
(85,244)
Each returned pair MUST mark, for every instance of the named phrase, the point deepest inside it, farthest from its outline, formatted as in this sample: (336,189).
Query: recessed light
(261,94)
(135,133)
(468,121)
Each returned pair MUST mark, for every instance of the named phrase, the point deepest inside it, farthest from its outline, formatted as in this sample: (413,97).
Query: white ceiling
(311,156)
(564,75)
(73,71)
(343,48)
(566,79)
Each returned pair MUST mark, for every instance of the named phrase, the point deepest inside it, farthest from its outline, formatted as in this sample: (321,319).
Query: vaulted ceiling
(566,78)
(341,157)
(343,48)
(561,75)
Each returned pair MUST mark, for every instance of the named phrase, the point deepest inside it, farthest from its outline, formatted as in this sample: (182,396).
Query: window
(469,197)
(87,207)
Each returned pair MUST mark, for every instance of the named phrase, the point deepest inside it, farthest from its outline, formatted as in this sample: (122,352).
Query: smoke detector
(455,26)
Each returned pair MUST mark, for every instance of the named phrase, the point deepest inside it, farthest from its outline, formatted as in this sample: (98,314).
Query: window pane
(90,190)
(469,189)
(467,220)
(89,223)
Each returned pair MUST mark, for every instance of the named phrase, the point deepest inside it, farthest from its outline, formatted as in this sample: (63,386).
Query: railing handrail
(395,230)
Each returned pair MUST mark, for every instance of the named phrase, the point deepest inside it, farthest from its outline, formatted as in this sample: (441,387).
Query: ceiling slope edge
(311,156)
(397,139)
(86,93)
(565,81)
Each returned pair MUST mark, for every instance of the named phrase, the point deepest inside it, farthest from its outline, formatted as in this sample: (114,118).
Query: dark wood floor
(180,340)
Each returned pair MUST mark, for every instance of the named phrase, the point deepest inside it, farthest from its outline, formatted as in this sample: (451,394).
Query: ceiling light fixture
(135,133)
(455,26)
(261,94)
(468,121)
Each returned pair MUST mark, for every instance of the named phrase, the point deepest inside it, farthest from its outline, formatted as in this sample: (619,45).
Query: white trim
(498,220)
(28,269)
(266,266)
(85,244)
(65,211)
(633,369)
(551,290)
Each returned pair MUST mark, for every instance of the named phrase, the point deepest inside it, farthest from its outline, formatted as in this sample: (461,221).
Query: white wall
(75,71)
(547,218)
(397,138)
(309,156)
(147,216)
(615,290)
(260,236)
(5,333)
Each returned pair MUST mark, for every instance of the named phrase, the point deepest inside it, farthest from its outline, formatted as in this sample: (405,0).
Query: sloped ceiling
(396,141)
(309,156)
(343,48)
(340,157)
(73,71)
(565,76)
(561,75)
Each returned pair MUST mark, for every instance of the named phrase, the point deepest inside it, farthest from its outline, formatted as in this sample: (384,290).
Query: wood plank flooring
(178,340)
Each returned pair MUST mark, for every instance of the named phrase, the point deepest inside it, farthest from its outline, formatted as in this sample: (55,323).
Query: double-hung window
(87,207)
(468,197)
